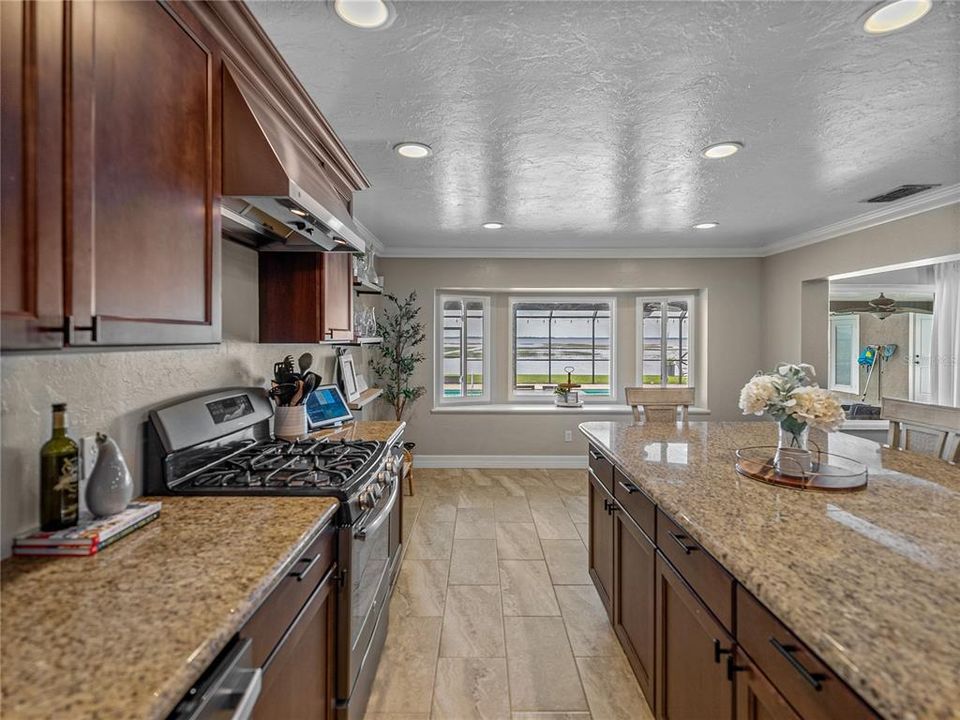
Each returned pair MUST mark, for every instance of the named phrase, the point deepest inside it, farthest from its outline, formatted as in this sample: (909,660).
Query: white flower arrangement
(790,397)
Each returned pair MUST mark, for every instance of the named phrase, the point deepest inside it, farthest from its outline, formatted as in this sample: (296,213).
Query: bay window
(559,338)
(665,344)
(463,355)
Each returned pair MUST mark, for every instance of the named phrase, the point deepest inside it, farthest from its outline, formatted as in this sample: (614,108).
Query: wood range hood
(278,193)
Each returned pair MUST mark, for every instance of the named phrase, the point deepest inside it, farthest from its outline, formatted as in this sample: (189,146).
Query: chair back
(931,429)
(659,404)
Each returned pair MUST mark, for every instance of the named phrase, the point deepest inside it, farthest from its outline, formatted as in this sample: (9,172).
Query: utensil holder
(290,423)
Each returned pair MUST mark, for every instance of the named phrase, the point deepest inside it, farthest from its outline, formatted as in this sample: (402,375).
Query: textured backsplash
(111,391)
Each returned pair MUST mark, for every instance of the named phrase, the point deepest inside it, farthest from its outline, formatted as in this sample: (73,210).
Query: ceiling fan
(882,307)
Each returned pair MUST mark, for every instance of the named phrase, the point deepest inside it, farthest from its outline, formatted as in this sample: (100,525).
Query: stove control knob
(368,498)
(382,477)
(389,464)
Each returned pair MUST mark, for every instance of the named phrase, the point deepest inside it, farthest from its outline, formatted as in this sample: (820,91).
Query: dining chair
(920,427)
(659,404)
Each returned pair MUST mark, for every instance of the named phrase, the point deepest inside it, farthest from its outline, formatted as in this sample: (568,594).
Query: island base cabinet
(634,605)
(757,699)
(693,681)
(601,542)
(298,679)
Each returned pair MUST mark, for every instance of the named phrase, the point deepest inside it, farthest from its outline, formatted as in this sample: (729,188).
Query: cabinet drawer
(705,575)
(636,503)
(601,468)
(274,616)
(807,684)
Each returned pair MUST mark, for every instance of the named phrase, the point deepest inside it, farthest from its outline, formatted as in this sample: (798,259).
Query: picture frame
(348,377)
(361,383)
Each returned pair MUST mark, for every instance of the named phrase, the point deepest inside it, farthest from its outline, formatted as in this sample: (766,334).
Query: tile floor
(494,615)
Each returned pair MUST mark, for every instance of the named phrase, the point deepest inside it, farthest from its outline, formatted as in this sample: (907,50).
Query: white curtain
(945,344)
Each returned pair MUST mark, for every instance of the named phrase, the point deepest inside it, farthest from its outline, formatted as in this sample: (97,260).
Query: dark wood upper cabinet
(31,148)
(634,606)
(305,297)
(692,677)
(144,200)
(601,542)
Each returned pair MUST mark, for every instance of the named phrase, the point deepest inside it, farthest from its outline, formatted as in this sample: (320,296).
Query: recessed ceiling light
(365,14)
(722,150)
(413,150)
(298,211)
(887,17)
(705,225)
(492,225)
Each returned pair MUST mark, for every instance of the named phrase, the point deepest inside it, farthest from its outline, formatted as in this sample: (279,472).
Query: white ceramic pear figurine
(110,488)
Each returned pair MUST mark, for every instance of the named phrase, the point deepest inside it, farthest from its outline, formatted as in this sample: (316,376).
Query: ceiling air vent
(900,193)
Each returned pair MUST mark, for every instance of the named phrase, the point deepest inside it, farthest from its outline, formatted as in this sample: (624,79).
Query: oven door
(370,560)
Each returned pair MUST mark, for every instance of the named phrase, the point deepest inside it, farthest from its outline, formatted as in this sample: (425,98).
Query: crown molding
(930,200)
(569,253)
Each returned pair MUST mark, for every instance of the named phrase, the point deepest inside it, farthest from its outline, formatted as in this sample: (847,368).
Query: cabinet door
(757,699)
(298,680)
(144,197)
(601,543)
(692,647)
(337,296)
(634,606)
(31,163)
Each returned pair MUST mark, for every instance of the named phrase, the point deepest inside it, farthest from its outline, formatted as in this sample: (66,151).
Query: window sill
(865,425)
(542,409)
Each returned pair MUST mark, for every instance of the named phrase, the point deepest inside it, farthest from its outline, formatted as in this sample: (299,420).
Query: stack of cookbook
(90,535)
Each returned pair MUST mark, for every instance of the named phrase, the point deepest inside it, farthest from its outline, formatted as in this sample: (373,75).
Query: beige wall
(790,334)
(728,321)
(896,371)
(111,391)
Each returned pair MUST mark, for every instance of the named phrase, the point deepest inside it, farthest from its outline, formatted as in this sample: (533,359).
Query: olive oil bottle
(59,479)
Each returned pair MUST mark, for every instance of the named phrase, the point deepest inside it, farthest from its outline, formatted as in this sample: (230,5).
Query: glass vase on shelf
(793,457)
(370,272)
(359,267)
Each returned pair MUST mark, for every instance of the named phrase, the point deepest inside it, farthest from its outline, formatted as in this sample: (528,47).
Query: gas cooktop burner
(284,464)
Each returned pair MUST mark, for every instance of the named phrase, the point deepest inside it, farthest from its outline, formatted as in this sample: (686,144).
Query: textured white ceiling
(579,124)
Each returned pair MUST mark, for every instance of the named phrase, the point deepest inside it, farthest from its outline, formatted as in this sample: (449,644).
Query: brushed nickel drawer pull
(814,679)
(306,571)
(595,455)
(679,540)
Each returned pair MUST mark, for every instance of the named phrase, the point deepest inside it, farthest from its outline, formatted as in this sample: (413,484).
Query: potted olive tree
(398,357)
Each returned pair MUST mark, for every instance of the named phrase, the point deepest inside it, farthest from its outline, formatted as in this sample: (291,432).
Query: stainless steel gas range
(220,444)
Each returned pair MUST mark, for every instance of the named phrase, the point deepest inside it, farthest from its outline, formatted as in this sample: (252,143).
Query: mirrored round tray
(828,472)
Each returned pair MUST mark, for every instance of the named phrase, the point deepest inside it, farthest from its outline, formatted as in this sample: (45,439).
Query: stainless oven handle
(361,533)
(245,707)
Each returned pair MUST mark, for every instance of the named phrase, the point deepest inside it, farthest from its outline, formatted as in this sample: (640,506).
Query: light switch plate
(568,435)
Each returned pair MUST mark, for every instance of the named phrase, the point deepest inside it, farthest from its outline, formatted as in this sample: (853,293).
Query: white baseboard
(500,461)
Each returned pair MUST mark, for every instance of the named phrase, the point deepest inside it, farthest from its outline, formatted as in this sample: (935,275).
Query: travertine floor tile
(586,620)
(612,690)
(550,716)
(472,622)
(405,676)
(475,523)
(474,562)
(396,716)
(577,507)
(526,588)
(512,509)
(431,541)
(583,529)
(553,522)
(438,509)
(541,668)
(473,496)
(566,561)
(471,688)
(518,541)
(570,482)
(421,588)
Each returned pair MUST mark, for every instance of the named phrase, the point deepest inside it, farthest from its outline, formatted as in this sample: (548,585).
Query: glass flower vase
(793,457)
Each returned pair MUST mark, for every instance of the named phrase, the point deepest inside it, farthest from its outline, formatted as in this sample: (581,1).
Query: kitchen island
(868,582)
(124,633)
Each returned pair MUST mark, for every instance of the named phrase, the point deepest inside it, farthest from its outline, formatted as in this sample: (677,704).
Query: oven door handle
(361,533)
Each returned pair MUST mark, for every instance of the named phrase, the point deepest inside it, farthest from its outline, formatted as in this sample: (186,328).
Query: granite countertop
(387,430)
(125,633)
(869,580)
